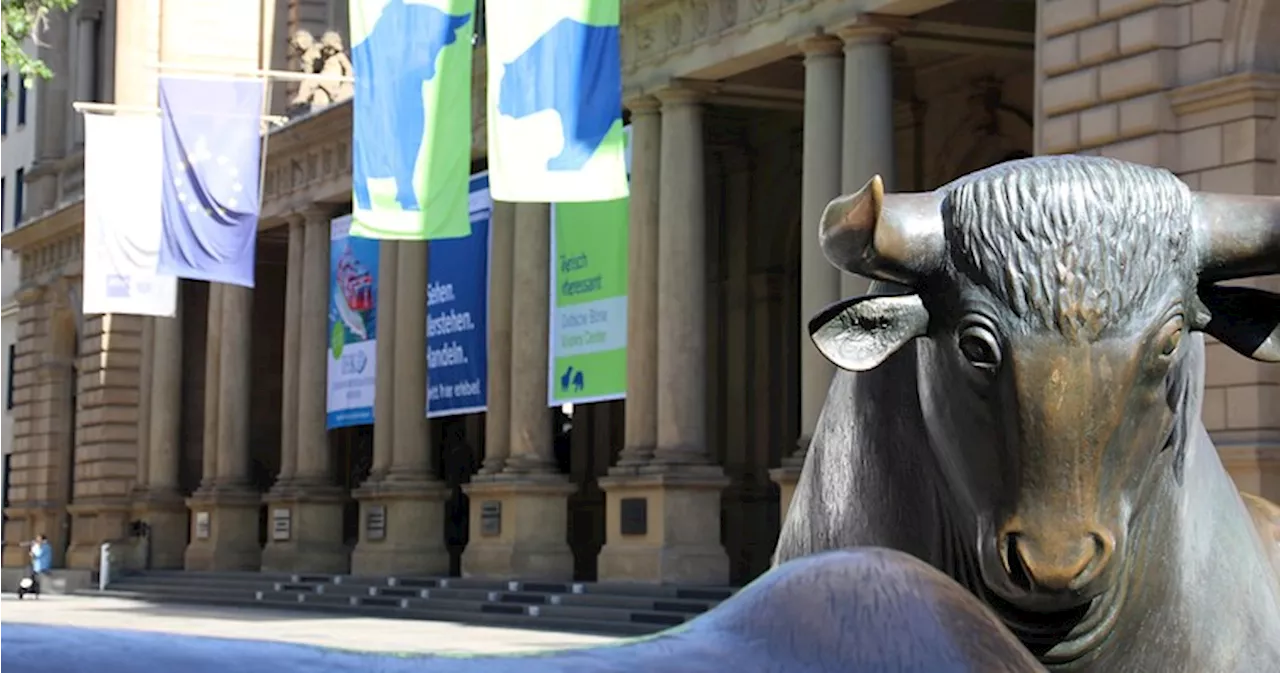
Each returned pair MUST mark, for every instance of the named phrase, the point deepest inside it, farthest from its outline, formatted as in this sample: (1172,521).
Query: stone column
(819,280)
(868,119)
(404,493)
(224,518)
(385,377)
(305,495)
(161,505)
(642,285)
(663,522)
(519,516)
(497,418)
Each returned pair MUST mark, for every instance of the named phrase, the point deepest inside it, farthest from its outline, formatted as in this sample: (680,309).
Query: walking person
(41,560)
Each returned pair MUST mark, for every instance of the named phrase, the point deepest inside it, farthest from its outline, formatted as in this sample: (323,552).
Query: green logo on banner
(337,339)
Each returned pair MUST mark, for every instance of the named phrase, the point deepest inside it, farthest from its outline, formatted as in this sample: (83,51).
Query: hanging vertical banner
(353,326)
(122,220)
(458,313)
(588,335)
(411,117)
(212,142)
(555,100)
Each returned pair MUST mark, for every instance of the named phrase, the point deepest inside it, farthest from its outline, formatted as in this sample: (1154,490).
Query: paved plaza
(357,633)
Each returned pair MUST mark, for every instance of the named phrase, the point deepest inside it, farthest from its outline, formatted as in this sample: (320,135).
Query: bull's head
(1057,373)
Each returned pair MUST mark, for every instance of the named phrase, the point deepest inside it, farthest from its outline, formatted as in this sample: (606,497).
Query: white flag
(122,220)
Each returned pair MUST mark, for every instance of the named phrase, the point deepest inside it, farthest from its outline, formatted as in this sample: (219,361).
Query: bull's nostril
(1014,564)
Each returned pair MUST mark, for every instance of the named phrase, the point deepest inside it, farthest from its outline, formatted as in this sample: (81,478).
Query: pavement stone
(369,634)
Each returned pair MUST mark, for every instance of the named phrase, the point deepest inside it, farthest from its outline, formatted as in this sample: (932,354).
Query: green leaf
(28,20)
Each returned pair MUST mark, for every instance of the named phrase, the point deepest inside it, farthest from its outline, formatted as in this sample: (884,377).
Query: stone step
(439,610)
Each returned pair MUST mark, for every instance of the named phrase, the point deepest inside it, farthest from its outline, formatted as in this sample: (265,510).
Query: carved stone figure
(337,65)
(1022,400)
(324,57)
(861,611)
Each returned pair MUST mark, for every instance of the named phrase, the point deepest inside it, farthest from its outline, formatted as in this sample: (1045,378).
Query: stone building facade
(748,116)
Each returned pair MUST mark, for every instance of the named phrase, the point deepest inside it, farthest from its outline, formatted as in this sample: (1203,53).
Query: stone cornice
(69,219)
(1249,87)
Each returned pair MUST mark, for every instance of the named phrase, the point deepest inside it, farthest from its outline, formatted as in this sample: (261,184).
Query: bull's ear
(859,334)
(1246,319)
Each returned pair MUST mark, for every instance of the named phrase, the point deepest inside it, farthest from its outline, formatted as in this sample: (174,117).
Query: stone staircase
(604,608)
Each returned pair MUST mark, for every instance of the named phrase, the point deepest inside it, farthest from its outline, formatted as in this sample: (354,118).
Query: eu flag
(212,152)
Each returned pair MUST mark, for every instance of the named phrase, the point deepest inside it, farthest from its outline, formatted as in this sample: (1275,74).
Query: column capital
(818,45)
(679,95)
(316,213)
(863,32)
(642,104)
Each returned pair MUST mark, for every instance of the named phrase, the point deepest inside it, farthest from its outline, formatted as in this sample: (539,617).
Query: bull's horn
(1239,236)
(895,237)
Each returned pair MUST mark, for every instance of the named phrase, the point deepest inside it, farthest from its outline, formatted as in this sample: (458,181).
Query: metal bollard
(104,567)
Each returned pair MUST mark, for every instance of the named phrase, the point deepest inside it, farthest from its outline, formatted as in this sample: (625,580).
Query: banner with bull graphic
(353,326)
(588,335)
(555,100)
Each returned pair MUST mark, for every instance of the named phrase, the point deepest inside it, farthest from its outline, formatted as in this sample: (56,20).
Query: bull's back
(858,611)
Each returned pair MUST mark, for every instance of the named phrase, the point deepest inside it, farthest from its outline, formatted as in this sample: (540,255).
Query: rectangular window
(4,198)
(5,471)
(8,375)
(22,103)
(17,196)
(4,112)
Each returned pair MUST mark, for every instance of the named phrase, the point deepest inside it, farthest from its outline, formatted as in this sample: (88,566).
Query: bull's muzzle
(1059,562)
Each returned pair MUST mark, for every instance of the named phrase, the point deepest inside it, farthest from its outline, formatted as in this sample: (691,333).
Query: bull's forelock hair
(1072,243)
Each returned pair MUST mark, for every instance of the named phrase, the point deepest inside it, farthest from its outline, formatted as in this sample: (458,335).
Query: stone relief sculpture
(324,57)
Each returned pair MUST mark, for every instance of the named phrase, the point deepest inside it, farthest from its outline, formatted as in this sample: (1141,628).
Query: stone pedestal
(664,528)
(519,528)
(93,523)
(224,530)
(786,477)
(401,529)
(169,520)
(304,532)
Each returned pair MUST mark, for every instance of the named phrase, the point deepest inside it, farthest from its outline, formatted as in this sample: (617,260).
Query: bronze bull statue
(1021,408)
(858,611)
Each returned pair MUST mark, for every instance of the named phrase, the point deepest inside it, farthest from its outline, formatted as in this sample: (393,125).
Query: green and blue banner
(588,335)
(353,326)
(411,117)
(555,101)
(458,313)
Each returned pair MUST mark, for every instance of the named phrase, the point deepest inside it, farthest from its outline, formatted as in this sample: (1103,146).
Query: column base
(27,521)
(664,528)
(401,528)
(224,530)
(786,477)
(312,539)
(519,528)
(168,521)
(93,523)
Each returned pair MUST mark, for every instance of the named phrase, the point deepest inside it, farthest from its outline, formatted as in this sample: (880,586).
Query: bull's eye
(979,347)
(1170,336)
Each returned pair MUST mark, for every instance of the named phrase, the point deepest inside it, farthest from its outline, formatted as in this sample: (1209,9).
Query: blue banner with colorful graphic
(458,313)
(353,326)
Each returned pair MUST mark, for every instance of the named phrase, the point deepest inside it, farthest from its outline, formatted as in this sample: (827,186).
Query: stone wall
(1191,86)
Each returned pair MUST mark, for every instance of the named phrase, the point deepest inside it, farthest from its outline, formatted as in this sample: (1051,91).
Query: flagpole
(280,75)
(89,107)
